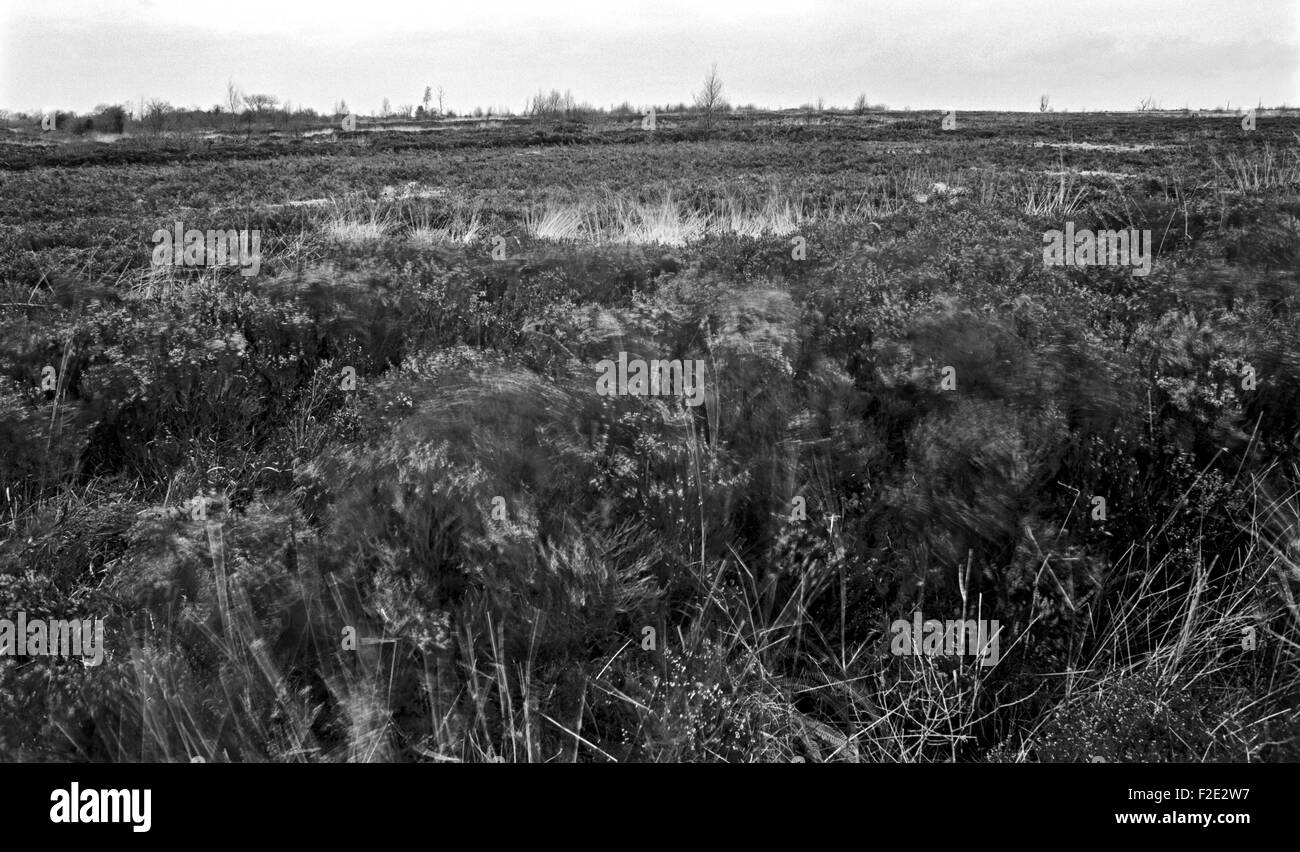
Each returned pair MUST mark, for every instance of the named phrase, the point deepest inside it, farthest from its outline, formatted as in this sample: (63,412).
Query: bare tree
(155,114)
(428,96)
(385,108)
(261,103)
(233,99)
(709,99)
(552,104)
(860,106)
(1043,101)
(440,93)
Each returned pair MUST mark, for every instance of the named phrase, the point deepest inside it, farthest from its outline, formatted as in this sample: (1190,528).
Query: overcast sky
(923,54)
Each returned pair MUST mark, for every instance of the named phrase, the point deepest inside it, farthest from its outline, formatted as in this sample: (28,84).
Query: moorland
(368,504)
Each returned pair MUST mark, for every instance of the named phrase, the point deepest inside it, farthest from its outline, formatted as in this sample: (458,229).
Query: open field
(372,503)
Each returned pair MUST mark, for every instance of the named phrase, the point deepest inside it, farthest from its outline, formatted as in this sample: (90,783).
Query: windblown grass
(461,224)
(357,221)
(665,221)
(1265,168)
(1051,199)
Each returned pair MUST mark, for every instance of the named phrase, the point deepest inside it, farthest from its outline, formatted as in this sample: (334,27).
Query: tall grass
(461,224)
(357,221)
(1051,199)
(666,221)
(1265,168)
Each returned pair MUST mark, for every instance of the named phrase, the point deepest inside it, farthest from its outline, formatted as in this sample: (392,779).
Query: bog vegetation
(369,505)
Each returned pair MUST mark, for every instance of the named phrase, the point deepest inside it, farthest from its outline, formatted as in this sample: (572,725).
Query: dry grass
(558,222)
(357,221)
(1267,168)
(461,224)
(1051,199)
(665,221)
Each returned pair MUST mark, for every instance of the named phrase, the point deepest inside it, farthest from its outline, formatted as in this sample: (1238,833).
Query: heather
(368,505)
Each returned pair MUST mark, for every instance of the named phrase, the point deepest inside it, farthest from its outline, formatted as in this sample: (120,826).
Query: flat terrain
(369,503)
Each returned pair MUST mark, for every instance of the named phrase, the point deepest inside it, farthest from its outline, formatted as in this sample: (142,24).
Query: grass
(1265,168)
(358,221)
(461,225)
(664,221)
(1050,199)
(354,593)
(556,222)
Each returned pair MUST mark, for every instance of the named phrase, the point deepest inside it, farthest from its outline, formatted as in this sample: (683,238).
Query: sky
(917,54)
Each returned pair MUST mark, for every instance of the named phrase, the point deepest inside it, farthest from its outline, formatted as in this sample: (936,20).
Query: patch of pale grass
(461,225)
(666,221)
(356,222)
(1265,169)
(1098,146)
(1051,198)
(663,222)
(356,232)
(778,215)
(561,222)
(410,190)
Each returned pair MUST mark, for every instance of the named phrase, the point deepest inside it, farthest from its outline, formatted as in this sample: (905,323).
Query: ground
(369,503)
